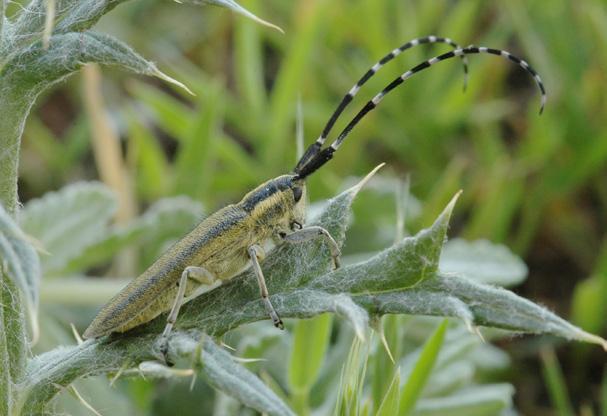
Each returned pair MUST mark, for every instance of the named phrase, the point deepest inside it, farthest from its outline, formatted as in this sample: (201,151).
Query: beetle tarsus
(164,352)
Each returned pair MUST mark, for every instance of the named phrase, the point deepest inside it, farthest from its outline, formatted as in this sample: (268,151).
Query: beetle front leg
(312,232)
(200,275)
(256,254)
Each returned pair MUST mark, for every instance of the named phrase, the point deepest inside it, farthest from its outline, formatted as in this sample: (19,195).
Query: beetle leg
(199,274)
(312,232)
(256,254)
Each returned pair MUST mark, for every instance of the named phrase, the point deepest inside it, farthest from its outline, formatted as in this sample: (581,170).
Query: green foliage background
(535,184)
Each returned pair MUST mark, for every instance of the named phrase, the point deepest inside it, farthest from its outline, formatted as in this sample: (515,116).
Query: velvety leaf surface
(403,279)
(19,291)
(482,261)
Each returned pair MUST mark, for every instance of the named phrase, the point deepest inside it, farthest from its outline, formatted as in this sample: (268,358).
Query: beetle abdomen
(152,293)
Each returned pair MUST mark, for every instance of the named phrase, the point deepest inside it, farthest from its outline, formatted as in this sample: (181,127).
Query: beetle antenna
(324,155)
(314,149)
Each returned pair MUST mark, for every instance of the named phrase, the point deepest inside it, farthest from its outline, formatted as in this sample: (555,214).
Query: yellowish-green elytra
(220,244)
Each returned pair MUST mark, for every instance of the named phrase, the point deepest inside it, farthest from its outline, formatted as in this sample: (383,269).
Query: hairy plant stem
(5,380)
(14,113)
(47,375)
(13,341)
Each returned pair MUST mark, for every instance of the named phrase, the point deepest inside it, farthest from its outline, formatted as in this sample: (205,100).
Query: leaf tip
(239,9)
(377,325)
(453,201)
(35,327)
(76,334)
(360,334)
(445,216)
(270,25)
(356,188)
(384,342)
(581,335)
(82,400)
(477,331)
(117,375)
(170,80)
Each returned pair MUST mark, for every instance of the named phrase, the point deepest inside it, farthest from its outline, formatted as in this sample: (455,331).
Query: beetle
(232,238)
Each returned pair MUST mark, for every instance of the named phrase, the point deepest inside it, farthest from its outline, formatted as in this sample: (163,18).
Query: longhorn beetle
(224,243)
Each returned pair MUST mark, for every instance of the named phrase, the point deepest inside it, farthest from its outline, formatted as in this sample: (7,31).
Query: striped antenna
(315,147)
(324,155)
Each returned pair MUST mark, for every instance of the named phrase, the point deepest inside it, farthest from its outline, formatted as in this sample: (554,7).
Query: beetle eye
(297,193)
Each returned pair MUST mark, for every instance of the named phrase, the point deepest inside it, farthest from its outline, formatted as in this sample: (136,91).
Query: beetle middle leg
(200,275)
(312,232)
(256,254)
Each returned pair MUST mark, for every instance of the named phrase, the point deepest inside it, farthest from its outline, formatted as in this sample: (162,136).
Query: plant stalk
(5,381)
(14,113)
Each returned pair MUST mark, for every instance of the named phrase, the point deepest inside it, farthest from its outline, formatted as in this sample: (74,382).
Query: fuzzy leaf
(476,304)
(483,262)
(487,400)
(164,221)
(402,279)
(308,303)
(20,262)
(401,266)
(453,367)
(36,68)
(68,221)
(31,70)
(237,8)
(70,16)
(233,379)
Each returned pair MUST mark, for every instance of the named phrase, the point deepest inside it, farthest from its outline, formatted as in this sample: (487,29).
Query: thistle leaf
(476,304)
(485,400)
(68,221)
(403,279)
(483,262)
(165,221)
(223,373)
(35,68)
(31,70)
(402,266)
(20,262)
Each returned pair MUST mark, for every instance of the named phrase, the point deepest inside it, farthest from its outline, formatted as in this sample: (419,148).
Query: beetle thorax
(276,205)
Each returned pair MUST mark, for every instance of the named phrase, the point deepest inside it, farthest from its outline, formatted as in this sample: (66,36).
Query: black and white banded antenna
(314,148)
(324,155)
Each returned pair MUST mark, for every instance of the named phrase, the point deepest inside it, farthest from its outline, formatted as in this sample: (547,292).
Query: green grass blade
(289,81)
(421,372)
(249,64)
(311,339)
(197,151)
(389,406)
(555,383)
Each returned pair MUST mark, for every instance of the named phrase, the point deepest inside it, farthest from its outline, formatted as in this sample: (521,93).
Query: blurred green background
(536,184)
